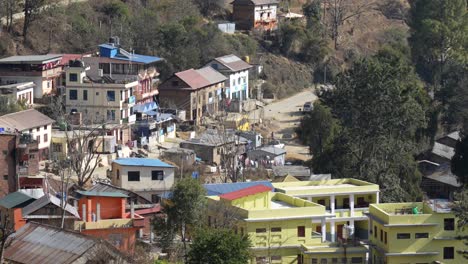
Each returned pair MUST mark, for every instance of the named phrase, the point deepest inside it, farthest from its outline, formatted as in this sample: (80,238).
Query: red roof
(152,210)
(246,192)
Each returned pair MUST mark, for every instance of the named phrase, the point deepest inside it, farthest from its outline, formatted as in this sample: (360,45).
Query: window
(118,174)
(157,175)
(403,236)
(300,259)
(85,95)
(334,260)
(38,139)
(276,229)
(97,93)
(31,156)
(260,230)
(448,253)
(301,231)
(133,176)
(346,203)
(381,235)
(155,198)
(46,138)
(110,115)
(111,96)
(375,231)
(5,177)
(105,67)
(449,224)
(356,260)
(45,127)
(385,237)
(314,261)
(73,95)
(56,147)
(261,260)
(73,77)
(421,235)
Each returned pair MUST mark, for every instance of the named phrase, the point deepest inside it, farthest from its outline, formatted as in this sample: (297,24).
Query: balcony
(129,102)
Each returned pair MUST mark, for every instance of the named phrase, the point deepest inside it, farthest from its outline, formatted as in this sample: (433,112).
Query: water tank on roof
(114,40)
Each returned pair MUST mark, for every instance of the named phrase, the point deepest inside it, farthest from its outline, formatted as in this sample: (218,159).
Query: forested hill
(185,33)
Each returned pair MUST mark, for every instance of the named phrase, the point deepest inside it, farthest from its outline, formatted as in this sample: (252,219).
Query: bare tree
(340,11)
(6,229)
(9,8)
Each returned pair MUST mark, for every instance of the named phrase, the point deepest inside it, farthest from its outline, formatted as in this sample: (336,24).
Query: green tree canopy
(219,246)
(381,106)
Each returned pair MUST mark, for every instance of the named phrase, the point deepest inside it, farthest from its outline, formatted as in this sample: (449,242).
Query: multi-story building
(103,215)
(346,200)
(422,232)
(196,91)
(147,177)
(282,228)
(34,123)
(118,64)
(237,72)
(255,14)
(44,70)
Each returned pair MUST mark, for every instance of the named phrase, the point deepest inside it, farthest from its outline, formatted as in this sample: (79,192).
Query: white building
(147,177)
(44,70)
(237,71)
(33,122)
(19,92)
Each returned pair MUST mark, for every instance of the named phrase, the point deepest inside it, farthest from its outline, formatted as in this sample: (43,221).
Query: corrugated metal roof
(144,162)
(260,2)
(233,63)
(103,194)
(45,200)
(200,78)
(25,120)
(223,188)
(246,192)
(443,151)
(104,187)
(20,59)
(35,243)
(16,199)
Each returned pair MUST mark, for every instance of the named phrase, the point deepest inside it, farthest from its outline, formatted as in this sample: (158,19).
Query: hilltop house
(196,91)
(255,14)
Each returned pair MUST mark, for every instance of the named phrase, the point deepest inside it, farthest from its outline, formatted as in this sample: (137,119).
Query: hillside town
(116,154)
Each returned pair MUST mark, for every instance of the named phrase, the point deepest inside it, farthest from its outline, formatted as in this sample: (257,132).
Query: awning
(143,108)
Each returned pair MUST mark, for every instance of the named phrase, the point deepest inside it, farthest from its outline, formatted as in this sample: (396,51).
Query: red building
(103,215)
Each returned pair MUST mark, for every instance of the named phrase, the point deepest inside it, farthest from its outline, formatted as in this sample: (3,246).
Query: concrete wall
(120,178)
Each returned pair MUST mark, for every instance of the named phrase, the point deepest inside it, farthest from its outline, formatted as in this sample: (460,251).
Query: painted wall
(122,238)
(120,178)
(110,207)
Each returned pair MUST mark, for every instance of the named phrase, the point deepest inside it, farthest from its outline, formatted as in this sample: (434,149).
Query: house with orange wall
(11,207)
(103,215)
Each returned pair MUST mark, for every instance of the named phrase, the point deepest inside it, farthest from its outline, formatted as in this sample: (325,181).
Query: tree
(340,11)
(31,10)
(7,107)
(459,164)
(9,7)
(6,230)
(217,246)
(317,129)
(438,35)
(185,210)
(381,106)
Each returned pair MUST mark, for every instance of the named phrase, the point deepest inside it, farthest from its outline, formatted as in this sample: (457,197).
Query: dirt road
(285,116)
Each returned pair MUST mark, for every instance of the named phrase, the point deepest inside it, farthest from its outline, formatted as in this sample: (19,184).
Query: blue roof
(16,199)
(222,188)
(142,162)
(138,58)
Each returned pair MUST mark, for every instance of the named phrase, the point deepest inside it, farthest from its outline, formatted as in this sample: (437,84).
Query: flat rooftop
(280,205)
(326,187)
(318,187)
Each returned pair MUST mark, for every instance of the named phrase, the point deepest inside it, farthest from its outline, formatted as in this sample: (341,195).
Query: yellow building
(423,232)
(282,228)
(346,200)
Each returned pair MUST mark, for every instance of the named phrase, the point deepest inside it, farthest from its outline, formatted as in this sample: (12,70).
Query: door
(339,231)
